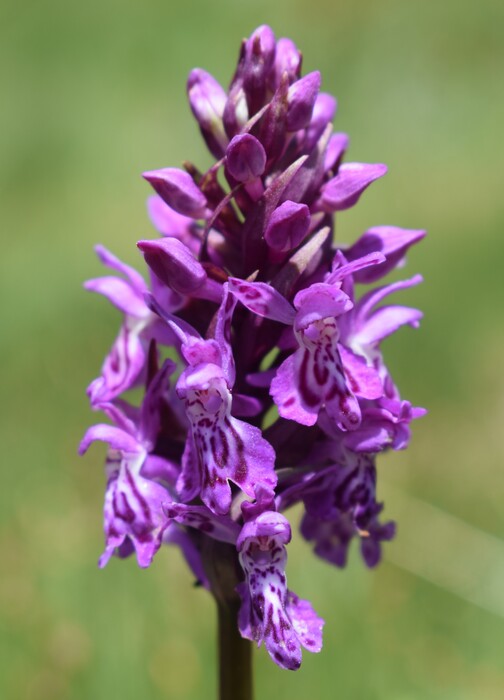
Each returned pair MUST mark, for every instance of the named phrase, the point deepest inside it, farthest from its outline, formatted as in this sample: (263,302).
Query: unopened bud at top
(258,63)
(287,60)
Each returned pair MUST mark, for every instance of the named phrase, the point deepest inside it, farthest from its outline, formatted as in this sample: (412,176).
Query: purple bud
(287,227)
(287,60)
(245,158)
(178,190)
(344,190)
(259,58)
(260,47)
(174,264)
(301,97)
(208,99)
(338,143)
(236,111)
(323,114)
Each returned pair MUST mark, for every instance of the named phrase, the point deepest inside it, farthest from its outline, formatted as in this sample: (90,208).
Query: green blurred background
(93,94)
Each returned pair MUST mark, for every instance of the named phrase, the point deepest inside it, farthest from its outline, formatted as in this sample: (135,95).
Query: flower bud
(301,98)
(245,158)
(236,111)
(259,58)
(338,143)
(287,227)
(174,264)
(178,190)
(323,114)
(208,99)
(287,60)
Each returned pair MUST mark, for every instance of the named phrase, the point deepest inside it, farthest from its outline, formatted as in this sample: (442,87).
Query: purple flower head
(283,394)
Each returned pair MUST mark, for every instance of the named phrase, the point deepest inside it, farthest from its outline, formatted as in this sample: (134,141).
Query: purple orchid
(270,613)
(133,499)
(282,394)
(341,504)
(124,365)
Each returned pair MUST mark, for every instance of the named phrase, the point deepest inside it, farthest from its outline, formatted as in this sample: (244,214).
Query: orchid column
(279,392)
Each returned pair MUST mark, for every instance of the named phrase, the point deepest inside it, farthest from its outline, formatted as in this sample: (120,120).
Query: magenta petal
(342,269)
(120,293)
(170,223)
(307,624)
(115,437)
(133,510)
(262,300)
(344,190)
(246,406)
(266,525)
(250,461)
(160,469)
(110,260)
(223,334)
(386,321)
(338,144)
(364,307)
(220,528)
(189,481)
(155,400)
(392,241)
(121,369)
(363,379)
(177,189)
(174,264)
(287,397)
(320,301)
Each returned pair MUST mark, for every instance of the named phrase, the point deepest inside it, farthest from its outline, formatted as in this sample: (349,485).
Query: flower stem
(235,653)
(235,656)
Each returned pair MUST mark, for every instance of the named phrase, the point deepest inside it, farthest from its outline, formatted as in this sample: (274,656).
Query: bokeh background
(93,94)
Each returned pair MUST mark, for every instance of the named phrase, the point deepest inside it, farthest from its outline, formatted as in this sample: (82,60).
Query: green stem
(235,657)
(235,653)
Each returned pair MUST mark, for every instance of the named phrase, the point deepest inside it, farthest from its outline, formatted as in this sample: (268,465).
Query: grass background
(93,94)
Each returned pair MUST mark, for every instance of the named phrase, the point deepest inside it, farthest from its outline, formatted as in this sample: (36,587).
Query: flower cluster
(276,392)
